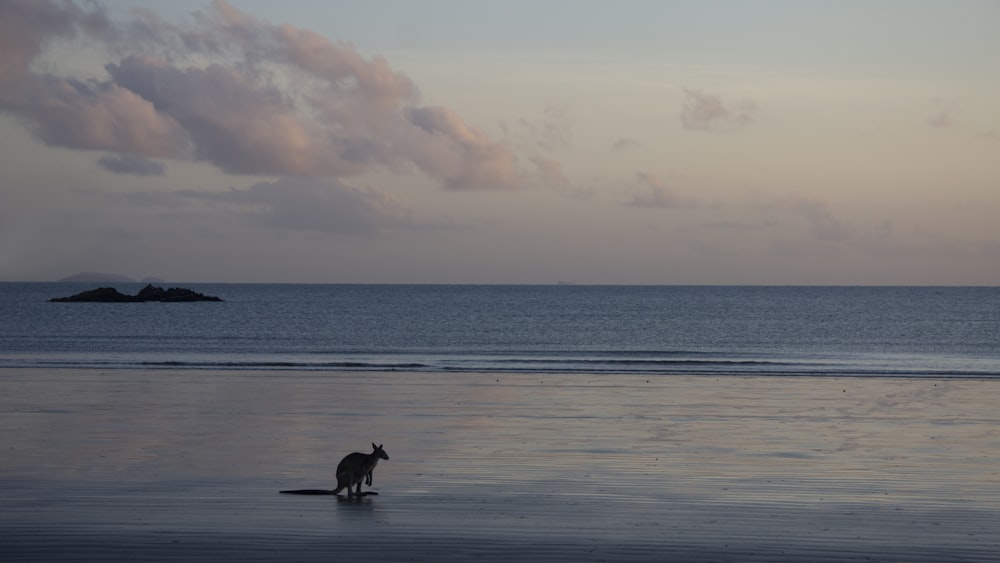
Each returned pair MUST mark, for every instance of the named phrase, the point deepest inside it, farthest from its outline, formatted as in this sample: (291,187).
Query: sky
(450,141)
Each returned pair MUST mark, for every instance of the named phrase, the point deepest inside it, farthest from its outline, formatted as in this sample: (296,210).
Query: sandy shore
(167,465)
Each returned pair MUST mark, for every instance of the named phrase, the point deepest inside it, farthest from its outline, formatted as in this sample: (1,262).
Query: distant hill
(94,277)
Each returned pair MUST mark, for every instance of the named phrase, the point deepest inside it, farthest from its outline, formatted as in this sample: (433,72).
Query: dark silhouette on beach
(351,470)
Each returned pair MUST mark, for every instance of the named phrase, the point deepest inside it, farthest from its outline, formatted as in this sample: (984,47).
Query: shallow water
(161,464)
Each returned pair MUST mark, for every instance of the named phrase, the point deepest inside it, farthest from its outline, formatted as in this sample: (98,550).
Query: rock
(148,293)
(172,295)
(152,293)
(99,295)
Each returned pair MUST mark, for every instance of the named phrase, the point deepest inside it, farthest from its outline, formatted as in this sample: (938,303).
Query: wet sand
(166,465)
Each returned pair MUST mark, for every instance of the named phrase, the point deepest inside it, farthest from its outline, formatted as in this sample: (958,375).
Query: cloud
(939,120)
(462,156)
(246,96)
(240,125)
(548,133)
(625,144)
(68,112)
(943,117)
(132,164)
(310,204)
(551,173)
(652,192)
(990,135)
(823,224)
(707,112)
(90,115)
(820,221)
(27,25)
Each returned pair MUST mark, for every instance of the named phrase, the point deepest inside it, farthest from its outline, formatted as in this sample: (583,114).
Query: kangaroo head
(379,451)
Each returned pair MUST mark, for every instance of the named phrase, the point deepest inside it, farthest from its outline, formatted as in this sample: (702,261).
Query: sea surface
(568,329)
(523,423)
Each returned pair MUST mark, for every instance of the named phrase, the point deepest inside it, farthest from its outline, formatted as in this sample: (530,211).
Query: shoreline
(271,370)
(166,464)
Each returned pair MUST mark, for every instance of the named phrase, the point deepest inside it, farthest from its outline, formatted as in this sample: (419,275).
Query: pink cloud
(94,116)
(462,156)
(244,95)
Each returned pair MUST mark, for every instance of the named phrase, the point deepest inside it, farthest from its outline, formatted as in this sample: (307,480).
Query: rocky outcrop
(148,293)
(172,295)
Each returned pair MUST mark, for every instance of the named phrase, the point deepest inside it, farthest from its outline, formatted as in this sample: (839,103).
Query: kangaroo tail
(309,492)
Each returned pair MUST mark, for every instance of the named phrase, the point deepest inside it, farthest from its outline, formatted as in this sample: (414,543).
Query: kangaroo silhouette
(357,467)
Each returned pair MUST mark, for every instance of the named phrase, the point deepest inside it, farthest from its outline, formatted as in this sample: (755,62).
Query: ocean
(566,329)
(527,423)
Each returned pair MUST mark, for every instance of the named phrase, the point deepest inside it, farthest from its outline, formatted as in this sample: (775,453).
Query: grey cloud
(625,144)
(823,224)
(462,155)
(132,164)
(551,173)
(550,132)
(940,120)
(652,192)
(26,26)
(67,112)
(990,135)
(92,116)
(820,221)
(311,204)
(236,124)
(707,112)
(943,117)
(244,95)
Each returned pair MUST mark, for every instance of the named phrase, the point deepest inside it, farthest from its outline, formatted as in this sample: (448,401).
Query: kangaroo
(356,467)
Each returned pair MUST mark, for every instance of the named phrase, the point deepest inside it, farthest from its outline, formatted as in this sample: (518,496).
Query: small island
(148,293)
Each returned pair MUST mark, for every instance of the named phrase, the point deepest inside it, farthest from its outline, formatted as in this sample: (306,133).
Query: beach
(143,464)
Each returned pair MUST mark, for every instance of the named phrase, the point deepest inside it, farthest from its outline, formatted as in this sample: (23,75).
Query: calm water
(896,331)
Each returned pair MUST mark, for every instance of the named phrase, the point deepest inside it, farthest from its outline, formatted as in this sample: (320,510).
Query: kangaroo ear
(374,446)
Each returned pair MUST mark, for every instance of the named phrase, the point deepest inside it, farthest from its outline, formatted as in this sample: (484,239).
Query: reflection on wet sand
(159,464)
